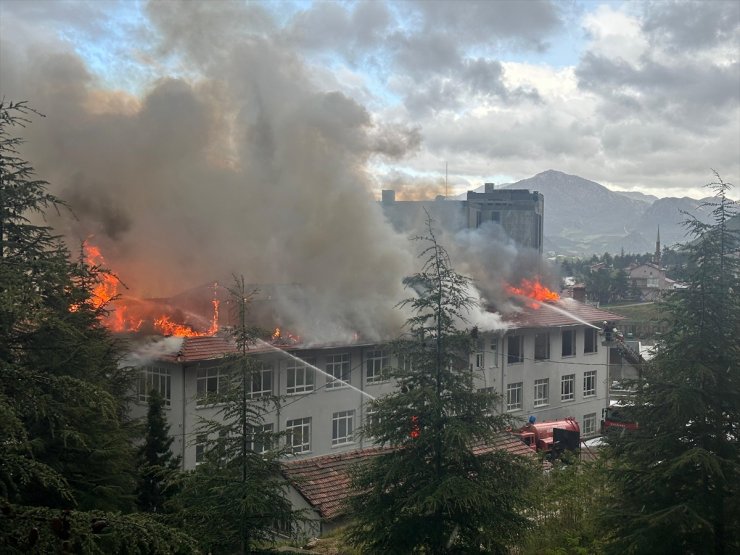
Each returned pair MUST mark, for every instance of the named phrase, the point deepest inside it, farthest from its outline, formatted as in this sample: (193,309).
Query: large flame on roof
(533,289)
(129,314)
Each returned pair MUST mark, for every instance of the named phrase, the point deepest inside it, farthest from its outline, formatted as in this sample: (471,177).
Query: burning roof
(563,312)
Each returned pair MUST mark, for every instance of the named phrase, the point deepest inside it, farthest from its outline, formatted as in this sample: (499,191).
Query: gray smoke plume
(247,166)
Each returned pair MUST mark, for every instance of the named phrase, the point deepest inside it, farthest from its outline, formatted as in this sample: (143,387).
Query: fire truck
(551,437)
(614,418)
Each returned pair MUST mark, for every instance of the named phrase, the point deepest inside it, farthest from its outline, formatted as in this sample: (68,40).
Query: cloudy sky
(635,95)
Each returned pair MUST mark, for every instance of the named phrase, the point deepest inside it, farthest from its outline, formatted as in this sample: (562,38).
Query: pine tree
(157,466)
(65,443)
(239,485)
(676,479)
(434,491)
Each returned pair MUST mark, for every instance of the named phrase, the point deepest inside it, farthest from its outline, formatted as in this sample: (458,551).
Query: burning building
(548,362)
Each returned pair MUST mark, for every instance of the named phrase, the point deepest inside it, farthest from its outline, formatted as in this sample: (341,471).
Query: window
(153,378)
(515,349)
(300,377)
(541,392)
(261,382)
(377,364)
(299,435)
(493,359)
(200,448)
(371,417)
(590,344)
(211,382)
(568,387)
(478,218)
(479,360)
(569,343)
(338,367)
(589,383)
(406,364)
(514,396)
(589,424)
(342,424)
(542,346)
(261,438)
(496,216)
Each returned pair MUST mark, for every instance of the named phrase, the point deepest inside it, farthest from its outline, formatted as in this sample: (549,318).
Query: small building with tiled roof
(321,485)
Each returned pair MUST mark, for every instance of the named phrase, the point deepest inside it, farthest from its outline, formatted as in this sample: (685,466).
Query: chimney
(579,293)
(490,187)
(388,196)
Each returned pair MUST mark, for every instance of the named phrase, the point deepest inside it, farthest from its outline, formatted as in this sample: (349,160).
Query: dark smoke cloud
(248,166)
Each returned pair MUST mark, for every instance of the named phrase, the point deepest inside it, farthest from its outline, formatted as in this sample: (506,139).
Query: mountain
(583,217)
(638,196)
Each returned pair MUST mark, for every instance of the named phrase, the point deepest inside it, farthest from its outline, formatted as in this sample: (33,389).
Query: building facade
(545,364)
(517,213)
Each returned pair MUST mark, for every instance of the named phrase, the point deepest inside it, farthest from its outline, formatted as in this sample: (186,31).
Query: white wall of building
(320,403)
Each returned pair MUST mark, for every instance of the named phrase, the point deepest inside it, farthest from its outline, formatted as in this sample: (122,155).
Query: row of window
(301,377)
(541,393)
(298,434)
(515,345)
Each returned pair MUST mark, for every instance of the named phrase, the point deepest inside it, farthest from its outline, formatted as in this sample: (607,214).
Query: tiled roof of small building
(195,349)
(325,482)
(564,312)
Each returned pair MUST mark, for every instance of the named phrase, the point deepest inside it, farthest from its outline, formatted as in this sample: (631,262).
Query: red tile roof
(325,483)
(565,312)
(202,348)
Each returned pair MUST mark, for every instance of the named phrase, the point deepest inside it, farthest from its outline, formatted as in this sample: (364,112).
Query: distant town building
(650,281)
(519,213)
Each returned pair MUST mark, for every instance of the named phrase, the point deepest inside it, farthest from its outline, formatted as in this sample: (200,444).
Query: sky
(640,96)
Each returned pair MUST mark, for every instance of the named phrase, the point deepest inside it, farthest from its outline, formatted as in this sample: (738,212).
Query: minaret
(656,258)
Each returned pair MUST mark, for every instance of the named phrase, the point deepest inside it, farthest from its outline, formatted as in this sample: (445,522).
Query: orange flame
(126,314)
(533,289)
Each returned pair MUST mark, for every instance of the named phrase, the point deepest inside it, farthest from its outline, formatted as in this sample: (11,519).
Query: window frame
(572,342)
(345,419)
(222,379)
(379,361)
(332,366)
(151,378)
(514,387)
(292,371)
(592,334)
(264,446)
(304,425)
(258,376)
(518,358)
(546,336)
(541,385)
(589,418)
(589,378)
(568,395)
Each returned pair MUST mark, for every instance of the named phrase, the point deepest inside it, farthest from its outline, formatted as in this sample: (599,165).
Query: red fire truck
(614,417)
(551,436)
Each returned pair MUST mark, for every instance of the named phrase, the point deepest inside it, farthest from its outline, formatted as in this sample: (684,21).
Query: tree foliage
(239,484)
(438,489)
(157,465)
(568,498)
(66,443)
(675,479)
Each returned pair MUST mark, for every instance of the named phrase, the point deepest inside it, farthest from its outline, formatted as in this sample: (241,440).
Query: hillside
(583,217)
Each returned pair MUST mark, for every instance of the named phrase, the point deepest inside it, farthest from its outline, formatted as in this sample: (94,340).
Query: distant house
(650,280)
